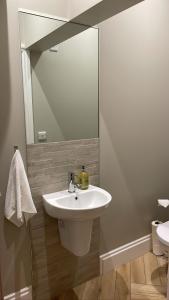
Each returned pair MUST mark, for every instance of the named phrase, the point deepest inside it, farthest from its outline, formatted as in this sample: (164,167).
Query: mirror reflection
(60,84)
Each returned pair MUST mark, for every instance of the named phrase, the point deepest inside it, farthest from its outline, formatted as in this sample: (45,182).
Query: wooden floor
(142,279)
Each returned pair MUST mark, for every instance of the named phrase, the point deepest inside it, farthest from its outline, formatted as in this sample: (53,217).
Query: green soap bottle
(83,179)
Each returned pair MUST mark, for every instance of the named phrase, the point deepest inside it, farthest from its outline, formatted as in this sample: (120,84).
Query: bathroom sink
(75,213)
(84,204)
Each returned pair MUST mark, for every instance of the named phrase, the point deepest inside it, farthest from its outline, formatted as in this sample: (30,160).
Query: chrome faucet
(72,185)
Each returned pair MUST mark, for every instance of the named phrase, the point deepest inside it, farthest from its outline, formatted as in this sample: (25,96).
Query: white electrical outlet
(42,136)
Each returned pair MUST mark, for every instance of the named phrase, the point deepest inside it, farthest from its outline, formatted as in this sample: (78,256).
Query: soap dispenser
(83,179)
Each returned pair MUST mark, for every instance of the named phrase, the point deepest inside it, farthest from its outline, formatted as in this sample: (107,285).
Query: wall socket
(42,136)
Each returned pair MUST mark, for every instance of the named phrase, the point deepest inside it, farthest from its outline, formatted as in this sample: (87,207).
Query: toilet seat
(163,233)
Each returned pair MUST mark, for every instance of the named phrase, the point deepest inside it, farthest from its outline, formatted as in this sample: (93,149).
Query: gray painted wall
(14,243)
(134,119)
(134,123)
(77,7)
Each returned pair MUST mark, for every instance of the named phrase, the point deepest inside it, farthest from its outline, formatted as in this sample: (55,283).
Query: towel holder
(16,148)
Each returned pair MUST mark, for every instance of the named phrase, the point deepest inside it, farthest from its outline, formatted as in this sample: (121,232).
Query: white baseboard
(23,294)
(125,253)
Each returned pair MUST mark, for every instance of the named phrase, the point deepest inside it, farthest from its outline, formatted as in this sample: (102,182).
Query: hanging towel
(19,206)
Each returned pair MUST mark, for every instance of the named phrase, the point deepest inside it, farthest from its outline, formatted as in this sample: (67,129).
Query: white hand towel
(19,206)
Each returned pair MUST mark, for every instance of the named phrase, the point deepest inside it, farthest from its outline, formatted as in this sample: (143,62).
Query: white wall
(134,119)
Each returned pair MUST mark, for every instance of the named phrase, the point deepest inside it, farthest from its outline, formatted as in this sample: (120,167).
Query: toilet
(163,235)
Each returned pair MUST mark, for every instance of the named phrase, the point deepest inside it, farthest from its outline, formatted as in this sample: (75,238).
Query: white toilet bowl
(163,235)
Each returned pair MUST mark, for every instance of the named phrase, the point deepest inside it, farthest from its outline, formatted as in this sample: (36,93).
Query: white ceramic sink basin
(75,213)
(90,204)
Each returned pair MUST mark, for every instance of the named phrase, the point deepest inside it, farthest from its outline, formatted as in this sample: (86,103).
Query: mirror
(60,84)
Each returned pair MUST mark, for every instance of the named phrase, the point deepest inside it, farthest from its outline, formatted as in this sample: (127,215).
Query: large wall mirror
(60,83)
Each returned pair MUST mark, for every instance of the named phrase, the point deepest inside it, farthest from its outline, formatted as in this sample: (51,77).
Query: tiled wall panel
(54,268)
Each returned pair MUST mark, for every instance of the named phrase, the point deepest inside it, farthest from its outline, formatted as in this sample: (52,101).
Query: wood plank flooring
(144,278)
